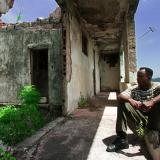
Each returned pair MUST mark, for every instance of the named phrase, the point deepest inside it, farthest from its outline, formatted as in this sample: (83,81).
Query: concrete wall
(15,68)
(79,66)
(110,76)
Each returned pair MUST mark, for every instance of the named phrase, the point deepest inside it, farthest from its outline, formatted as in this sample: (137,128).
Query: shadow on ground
(133,141)
(72,139)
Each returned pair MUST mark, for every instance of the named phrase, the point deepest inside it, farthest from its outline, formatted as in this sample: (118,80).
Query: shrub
(5,155)
(17,123)
(29,95)
(83,102)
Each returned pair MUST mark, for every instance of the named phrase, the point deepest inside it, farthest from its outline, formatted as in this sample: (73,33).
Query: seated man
(139,103)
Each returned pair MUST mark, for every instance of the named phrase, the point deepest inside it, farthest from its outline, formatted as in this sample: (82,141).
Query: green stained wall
(15,68)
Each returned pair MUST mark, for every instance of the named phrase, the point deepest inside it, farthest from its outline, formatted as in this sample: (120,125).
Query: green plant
(29,95)
(5,155)
(82,102)
(17,123)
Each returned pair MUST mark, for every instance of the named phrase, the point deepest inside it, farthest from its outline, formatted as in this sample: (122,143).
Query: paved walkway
(84,136)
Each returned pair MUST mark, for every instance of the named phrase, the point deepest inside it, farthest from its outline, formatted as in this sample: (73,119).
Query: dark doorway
(39,70)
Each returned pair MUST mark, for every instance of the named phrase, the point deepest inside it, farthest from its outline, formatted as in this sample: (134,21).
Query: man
(139,103)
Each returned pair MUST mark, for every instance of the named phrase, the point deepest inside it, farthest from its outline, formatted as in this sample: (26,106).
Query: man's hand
(147,105)
(134,103)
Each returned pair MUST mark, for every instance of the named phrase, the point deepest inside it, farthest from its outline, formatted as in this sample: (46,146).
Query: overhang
(104,20)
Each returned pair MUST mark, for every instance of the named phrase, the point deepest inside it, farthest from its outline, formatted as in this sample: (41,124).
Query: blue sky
(148,46)
(30,9)
(147,15)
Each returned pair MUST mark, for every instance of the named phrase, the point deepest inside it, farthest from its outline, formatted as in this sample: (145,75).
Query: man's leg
(125,113)
(128,116)
(154,118)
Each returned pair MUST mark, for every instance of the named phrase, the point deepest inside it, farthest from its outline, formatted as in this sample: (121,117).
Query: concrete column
(124,49)
(122,67)
(131,49)
(122,84)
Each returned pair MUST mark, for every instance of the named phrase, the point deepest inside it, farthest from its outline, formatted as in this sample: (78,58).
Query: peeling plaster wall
(110,76)
(81,79)
(15,61)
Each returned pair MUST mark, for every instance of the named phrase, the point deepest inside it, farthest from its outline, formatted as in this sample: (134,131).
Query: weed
(83,102)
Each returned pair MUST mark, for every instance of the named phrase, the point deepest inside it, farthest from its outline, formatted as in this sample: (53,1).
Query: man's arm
(156,99)
(152,102)
(122,98)
(149,104)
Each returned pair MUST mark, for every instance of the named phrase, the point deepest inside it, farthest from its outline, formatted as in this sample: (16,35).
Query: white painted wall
(110,76)
(82,68)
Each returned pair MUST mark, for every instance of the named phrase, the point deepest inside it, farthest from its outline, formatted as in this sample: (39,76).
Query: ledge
(34,139)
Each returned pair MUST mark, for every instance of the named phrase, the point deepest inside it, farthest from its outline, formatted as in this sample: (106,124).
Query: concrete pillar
(130,51)
(128,61)
(122,85)
(122,67)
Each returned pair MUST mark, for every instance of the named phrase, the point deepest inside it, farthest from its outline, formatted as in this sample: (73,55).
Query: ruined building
(87,47)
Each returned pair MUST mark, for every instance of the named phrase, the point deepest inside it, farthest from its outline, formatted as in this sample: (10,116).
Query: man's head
(144,77)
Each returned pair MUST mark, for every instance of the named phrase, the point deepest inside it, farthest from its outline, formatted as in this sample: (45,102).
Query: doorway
(109,72)
(39,71)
